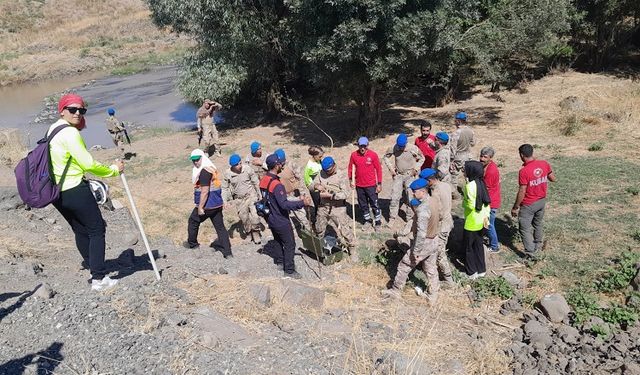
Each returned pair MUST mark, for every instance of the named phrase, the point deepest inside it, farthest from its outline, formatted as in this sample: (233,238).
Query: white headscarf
(206,164)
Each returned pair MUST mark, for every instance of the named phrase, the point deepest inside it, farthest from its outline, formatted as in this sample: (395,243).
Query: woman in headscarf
(207,197)
(70,160)
(476,218)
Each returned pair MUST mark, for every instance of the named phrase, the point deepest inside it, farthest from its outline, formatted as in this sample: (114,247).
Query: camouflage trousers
(427,258)
(399,186)
(248,215)
(339,220)
(299,216)
(210,137)
(443,262)
(118,141)
(457,176)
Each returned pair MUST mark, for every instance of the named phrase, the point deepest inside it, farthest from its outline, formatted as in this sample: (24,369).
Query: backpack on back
(34,174)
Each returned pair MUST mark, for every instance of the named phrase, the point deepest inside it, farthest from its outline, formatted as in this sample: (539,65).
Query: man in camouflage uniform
(241,184)
(406,164)
(442,192)
(256,160)
(425,244)
(333,187)
(442,162)
(207,126)
(116,130)
(292,179)
(460,143)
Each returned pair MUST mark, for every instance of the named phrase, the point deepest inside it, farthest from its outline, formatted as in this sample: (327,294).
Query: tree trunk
(370,115)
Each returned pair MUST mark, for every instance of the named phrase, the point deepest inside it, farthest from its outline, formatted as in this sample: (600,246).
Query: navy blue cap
(272,161)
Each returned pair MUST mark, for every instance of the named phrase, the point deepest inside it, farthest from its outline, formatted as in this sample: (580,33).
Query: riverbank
(38,40)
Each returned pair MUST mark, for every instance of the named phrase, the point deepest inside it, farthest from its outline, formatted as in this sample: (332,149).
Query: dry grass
(41,40)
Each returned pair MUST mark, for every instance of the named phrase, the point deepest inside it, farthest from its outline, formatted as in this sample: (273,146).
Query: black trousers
(474,260)
(368,196)
(285,247)
(79,208)
(222,243)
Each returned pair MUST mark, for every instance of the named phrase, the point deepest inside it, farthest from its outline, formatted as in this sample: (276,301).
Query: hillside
(209,315)
(47,39)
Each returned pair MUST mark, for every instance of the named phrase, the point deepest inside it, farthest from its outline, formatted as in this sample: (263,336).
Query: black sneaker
(187,245)
(292,275)
(379,223)
(228,256)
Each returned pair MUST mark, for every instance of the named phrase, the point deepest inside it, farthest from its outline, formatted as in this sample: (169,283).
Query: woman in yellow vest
(476,218)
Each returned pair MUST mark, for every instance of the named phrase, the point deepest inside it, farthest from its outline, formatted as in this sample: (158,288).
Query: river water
(149,98)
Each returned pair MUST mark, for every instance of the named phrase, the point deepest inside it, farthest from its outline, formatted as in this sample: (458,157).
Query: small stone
(117,205)
(261,293)
(223,271)
(568,334)
(131,238)
(555,307)
(44,291)
(297,294)
(511,278)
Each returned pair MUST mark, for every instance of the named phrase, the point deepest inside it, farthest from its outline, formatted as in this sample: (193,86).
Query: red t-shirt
(492,181)
(533,175)
(428,152)
(368,170)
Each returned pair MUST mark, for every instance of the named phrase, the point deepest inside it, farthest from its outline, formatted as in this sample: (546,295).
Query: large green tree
(271,51)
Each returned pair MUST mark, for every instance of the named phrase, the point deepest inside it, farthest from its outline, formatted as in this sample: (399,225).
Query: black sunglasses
(73,110)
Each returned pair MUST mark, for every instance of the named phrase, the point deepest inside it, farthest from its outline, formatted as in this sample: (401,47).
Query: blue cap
(363,141)
(111,111)
(234,160)
(255,145)
(280,154)
(414,202)
(420,183)
(426,173)
(461,116)
(327,163)
(272,160)
(443,136)
(401,141)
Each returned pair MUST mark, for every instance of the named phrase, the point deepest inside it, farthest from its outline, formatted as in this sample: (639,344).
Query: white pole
(144,236)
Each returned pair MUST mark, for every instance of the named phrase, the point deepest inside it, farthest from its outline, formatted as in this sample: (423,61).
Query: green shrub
(620,275)
(633,190)
(598,146)
(493,287)
(569,125)
(584,304)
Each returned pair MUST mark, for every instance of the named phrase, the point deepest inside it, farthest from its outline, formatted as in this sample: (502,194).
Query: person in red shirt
(368,176)
(492,181)
(530,201)
(426,144)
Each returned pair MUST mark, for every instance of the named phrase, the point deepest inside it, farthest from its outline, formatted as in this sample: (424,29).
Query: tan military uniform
(442,164)
(460,144)
(116,130)
(244,189)
(424,249)
(442,191)
(292,179)
(257,164)
(406,164)
(333,209)
(208,127)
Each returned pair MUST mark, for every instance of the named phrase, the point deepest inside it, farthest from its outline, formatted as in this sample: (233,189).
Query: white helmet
(100,191)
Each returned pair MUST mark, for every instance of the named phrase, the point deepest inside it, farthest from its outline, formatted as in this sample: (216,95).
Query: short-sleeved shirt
(492,180)
(205,178)
(428,152)
(534,175)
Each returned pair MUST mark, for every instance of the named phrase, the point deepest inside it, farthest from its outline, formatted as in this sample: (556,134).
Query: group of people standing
(425,179)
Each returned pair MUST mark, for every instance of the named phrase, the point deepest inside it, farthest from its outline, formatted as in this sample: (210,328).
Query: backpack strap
(66,167)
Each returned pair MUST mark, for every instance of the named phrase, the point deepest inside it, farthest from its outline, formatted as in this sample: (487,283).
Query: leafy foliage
(493,287)
(619,276)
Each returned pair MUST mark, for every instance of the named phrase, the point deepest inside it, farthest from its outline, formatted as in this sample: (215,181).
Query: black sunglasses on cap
(73,110)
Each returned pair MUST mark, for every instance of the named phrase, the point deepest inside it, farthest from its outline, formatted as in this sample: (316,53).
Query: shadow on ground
(42,362)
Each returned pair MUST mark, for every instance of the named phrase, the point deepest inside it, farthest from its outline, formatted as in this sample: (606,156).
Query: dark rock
(511,278)
(511,306)
(568,334)
(631,368)
(555,307)
(635,283)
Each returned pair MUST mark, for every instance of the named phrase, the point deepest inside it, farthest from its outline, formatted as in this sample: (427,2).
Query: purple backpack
(34,175)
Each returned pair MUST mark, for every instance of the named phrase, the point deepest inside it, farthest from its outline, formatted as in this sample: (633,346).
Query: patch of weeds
(584,304)
(636,235)
(600,331)
(529,299)
(620,275)
(493,287)
(633,190)
(598,146)
(568,125)
(536,146)
(619,315)
(367,257)
(84,52)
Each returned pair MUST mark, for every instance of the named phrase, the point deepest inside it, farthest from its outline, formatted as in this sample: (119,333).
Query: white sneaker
(104,284)
(474,276)
(419,291)
(482,274)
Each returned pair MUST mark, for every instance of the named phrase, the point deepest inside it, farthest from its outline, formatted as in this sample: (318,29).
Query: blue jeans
(493,235)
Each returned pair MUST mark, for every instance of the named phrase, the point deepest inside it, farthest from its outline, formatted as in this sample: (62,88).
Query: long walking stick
(144,236)
(353,198)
